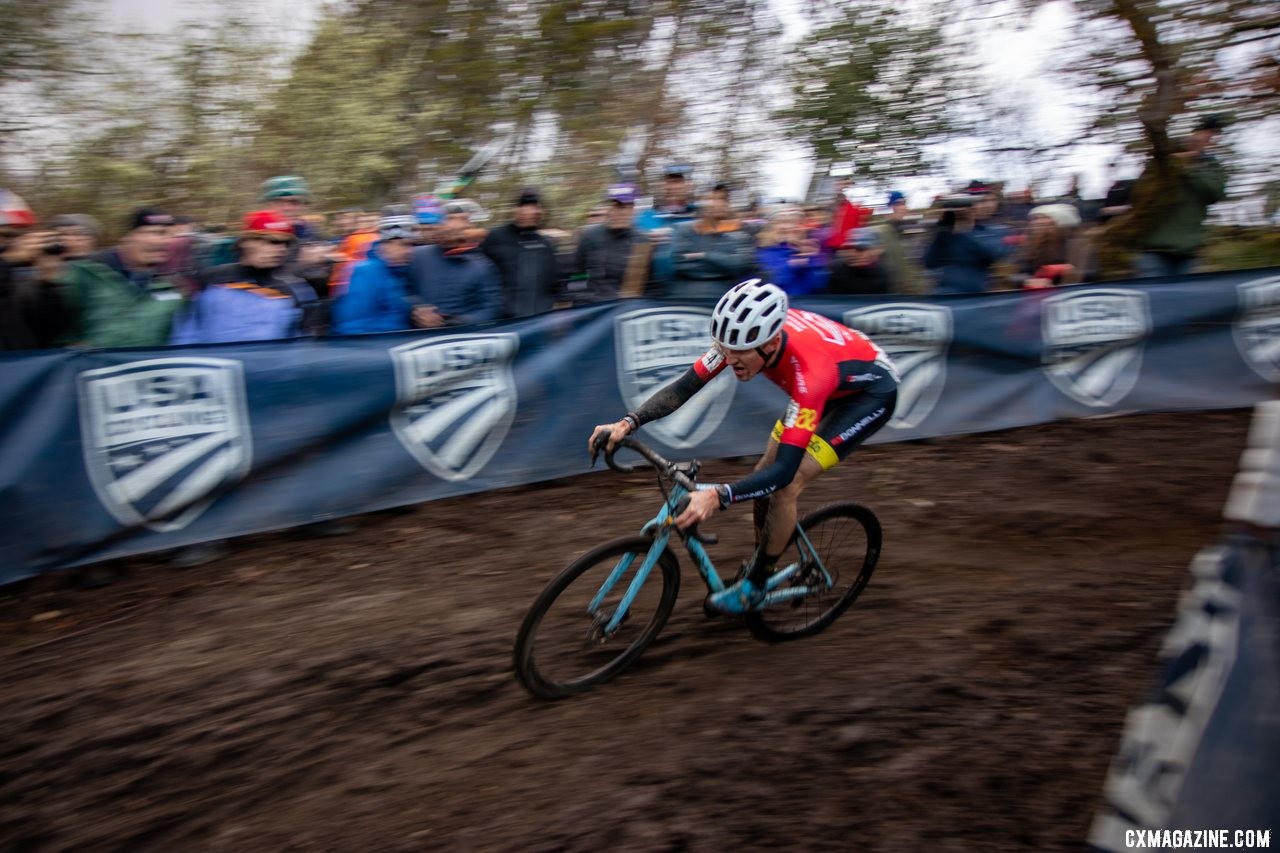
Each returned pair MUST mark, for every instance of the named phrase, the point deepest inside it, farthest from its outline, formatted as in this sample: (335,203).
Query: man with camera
(32,313)
(965,245)
(1170,246)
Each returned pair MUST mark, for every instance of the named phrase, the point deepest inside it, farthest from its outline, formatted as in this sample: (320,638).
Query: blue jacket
(378,298)
(660,219)
(797,280)
(246,304)
(964,258)
(462,285)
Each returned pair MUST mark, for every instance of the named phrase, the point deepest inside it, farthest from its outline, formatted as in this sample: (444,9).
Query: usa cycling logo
(455,400)
(163,438)
(654,346)
(1093,343)
(1257,331)
(917,338)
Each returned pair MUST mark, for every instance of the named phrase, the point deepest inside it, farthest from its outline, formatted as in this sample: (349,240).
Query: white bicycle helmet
(749,315)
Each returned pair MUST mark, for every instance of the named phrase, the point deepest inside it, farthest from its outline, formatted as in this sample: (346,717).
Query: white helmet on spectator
(749,315)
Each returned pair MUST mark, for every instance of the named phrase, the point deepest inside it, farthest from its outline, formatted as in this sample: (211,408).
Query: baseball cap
(266,223)
(622,194)
(397,228)
(145,217)
(14,212)
(862,238)
(528,195)
(977,188)
(285,186)
(895,197)
(676,170)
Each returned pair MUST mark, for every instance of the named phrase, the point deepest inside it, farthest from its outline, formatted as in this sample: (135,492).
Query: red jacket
(848,217)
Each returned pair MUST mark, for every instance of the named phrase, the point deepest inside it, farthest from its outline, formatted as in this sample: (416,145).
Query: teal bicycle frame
(659,529)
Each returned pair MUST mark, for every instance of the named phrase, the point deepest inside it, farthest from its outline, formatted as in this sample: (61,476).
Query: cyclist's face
(744,363)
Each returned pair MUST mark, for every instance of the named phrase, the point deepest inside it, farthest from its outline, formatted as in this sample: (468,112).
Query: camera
(55,249)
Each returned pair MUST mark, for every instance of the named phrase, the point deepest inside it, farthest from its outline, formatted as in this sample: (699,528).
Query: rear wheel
(564,647)
(846,538)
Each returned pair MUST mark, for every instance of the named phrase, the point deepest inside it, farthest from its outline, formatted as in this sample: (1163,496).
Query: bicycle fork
(659,528)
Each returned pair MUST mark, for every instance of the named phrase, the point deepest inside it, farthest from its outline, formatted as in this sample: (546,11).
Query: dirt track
(356,693)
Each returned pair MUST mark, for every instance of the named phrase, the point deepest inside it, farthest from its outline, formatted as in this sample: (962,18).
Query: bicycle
(599,624)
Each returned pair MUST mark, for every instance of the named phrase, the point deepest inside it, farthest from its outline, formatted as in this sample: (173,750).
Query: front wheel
(845,539)
(565,645)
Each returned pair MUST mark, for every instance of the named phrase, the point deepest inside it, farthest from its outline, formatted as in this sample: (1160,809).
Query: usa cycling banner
(114,452)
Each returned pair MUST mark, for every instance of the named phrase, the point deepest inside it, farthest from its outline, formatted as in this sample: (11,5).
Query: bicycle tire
(534,672)
(859,542)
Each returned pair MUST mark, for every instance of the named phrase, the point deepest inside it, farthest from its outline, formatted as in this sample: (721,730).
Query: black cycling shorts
(846,423)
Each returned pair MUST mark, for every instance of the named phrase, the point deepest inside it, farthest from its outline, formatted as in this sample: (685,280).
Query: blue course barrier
(114,452)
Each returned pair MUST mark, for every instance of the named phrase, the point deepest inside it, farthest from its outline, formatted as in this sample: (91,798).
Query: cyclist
(843,389)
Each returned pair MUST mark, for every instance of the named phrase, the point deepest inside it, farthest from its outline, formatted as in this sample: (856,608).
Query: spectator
(1117,200)
(256,298)
(712,253)
(1017,207)
(315,266)
(79,235)
(32,313)
(452,284)
(353,249)
(848,215)
(1052,254)
(659,222)
(118,295)
(611,257)
(345,222)
(430,214)
(964,245)
(289,196)
(184,226)
(526,260)
(859,265)
(1176,236)
(378,297)
(898,248)
(789,258)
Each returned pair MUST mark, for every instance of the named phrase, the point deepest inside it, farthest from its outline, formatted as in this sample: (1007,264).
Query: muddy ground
(356,693)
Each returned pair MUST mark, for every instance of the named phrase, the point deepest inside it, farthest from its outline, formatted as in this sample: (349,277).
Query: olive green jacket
(1180,229)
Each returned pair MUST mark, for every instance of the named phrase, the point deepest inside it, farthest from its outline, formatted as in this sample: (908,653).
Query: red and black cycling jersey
(819,361)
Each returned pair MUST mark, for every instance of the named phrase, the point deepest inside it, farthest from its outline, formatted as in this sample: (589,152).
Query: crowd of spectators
(288,271)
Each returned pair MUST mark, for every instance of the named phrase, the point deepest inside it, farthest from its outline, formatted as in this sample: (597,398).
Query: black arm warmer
(776,475)
(670,398)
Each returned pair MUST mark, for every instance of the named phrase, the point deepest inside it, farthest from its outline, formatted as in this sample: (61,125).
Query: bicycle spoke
(567,643)
(846,547)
